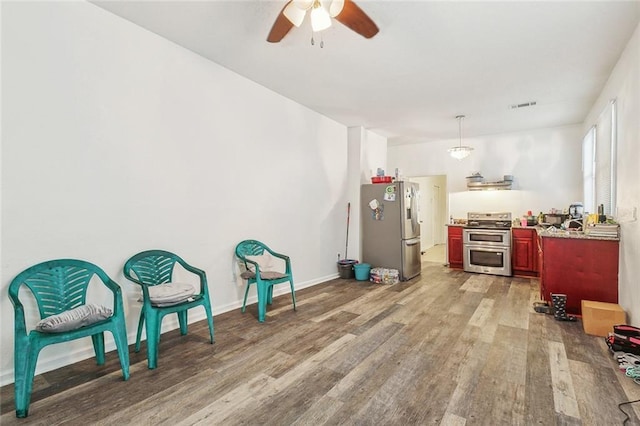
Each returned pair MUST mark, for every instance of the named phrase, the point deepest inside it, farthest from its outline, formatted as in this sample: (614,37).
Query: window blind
(604,174)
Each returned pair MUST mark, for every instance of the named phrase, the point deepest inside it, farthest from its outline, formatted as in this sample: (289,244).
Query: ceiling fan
(321,11)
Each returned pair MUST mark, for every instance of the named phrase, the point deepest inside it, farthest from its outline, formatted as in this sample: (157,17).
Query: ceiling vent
(524,105)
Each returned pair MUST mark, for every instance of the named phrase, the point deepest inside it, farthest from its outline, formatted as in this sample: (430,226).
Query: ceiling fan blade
(354,17)
(280,27)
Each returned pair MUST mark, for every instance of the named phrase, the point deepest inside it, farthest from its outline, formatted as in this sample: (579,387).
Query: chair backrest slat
(56,288)
(153,269)
(250,248)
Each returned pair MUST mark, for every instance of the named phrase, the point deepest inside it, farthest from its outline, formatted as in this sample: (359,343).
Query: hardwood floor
(437,253)
(447,348)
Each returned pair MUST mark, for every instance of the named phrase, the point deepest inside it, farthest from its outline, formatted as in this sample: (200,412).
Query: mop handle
(346,246)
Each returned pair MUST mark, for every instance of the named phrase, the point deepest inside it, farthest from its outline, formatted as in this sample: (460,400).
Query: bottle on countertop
(531,221)
(540,218)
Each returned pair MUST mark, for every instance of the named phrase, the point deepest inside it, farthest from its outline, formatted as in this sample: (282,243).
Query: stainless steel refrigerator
(390,227)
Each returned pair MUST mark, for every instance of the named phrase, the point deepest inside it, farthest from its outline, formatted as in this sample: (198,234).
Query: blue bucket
(362,271)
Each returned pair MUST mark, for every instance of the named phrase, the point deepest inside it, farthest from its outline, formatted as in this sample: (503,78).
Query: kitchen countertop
(563,233)
(553,232)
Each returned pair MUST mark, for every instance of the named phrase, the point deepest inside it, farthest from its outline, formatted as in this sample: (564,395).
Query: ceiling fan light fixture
(294,14)
(460,152)
(336,7)
(320,19)
(303,4)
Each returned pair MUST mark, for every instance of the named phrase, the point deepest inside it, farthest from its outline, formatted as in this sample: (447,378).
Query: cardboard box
(598,318)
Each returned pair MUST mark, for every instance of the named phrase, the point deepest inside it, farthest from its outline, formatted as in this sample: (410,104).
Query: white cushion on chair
(170,293)
(264,261)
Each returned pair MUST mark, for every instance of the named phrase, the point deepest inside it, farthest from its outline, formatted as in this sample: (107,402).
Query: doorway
(432,214)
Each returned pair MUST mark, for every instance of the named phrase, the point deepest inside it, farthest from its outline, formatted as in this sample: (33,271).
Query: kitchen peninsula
(582,266)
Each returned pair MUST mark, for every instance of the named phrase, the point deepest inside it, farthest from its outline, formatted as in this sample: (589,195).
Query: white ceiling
(431,60)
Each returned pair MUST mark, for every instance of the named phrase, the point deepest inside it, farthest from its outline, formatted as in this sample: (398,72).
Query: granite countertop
(562,233)
(553,232)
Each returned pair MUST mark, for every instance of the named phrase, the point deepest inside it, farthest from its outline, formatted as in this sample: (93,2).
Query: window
(598,162)
(588,170)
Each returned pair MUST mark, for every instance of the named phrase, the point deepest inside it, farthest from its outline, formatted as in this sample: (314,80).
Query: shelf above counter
(486,186)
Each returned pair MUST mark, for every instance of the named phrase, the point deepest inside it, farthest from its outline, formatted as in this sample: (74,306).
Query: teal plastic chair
(264,280)
(154,267)
(59,286)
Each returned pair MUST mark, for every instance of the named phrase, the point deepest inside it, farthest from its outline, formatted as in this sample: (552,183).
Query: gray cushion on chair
(74,318)
(170,293)
(266,275)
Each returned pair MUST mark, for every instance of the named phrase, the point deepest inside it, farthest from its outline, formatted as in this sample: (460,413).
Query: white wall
(367,153)
(115,140)
(624,86)
(545,163)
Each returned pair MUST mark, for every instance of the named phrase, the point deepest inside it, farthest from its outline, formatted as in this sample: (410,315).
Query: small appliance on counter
(576,211)
(555,219)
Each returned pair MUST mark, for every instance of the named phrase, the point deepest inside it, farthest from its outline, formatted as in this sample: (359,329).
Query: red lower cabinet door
(583,269)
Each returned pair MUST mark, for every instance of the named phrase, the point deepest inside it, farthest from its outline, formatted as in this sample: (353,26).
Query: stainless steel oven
(487,243)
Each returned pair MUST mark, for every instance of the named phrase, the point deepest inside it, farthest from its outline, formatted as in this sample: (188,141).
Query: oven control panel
(489,220)
(489,216)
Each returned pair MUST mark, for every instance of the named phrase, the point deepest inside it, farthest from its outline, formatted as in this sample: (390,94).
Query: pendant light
(460,152)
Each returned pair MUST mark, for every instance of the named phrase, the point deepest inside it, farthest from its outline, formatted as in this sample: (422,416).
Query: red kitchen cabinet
(583,269)
(524,252)
(454,246)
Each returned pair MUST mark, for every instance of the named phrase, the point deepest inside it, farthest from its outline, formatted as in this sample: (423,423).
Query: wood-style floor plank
(447,347)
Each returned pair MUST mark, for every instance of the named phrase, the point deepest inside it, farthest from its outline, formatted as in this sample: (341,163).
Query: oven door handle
(484,248)
(488,231)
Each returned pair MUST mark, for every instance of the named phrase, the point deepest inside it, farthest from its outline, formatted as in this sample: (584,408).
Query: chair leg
(25,366)
(270,295)
(98,347)
(262,301)
(154,322)
(244,303)
(140,325)
(207,309)
(182,320)
(119,332)
(293,295)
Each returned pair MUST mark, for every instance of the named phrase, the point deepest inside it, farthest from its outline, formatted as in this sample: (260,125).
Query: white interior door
(433,210)
(436,213)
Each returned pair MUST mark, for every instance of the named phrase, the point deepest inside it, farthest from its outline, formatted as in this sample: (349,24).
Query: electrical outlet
(626,214)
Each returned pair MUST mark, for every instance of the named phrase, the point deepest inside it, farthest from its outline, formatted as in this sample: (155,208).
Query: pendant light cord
(460,117)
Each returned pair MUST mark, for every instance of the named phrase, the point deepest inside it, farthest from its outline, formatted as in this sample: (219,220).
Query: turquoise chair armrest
(197,271)
(287,261)
(20,324)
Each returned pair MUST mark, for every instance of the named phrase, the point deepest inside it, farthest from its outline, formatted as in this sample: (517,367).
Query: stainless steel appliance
(486,243)
(576,210)
(390,227)
(554,219)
